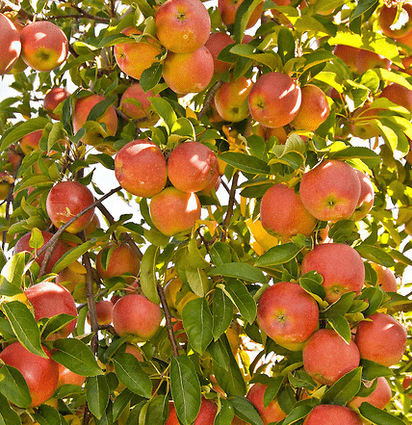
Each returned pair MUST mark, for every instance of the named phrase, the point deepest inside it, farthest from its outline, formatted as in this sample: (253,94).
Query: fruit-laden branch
(168,318)
(230,205)
(209,98)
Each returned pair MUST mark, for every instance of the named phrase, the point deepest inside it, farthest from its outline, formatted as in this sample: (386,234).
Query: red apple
(379,398)
(366,197)
(197,68)
(192,166)
(398,94)
(135,351)
(327,414)
(134,57)
(216,42)
(266,133)
(30,142)
(368,60)
(388,23)
(406,384)
(140,168)
(282,213)
(10,42)
(274,99)
(231,100)
(331,190)
(44,45)
(381,339)
(288,314)
(67,199)
(174,212)
(348,54)
(49,299)
(327,357)
(104,312)
(136,318)
(67,377)
(206,415)
(385,278)
(272,412)
(228,10)
(41,374)
(53,98)
(182,26)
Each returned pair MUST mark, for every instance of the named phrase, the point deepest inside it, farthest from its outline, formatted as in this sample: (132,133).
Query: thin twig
(230,205)
(168,318)
(209,98)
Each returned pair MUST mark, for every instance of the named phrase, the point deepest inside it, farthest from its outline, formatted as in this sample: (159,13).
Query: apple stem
(230,205)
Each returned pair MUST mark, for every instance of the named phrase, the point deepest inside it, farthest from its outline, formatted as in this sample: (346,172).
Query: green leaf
(241,298)
(245,163)
(197,280)
(279,254)
(377,255)
(225,414)
(374,296)
(55,323)
(148,280)
(24,326)
(130,373)
(342,391)
(195,258)
(368,156)
(243,14)
(157,410)
(246,410)
(272,390)
(183,127)
(242,271)
(14,387)
(372,370)
(76,356)
(341,326)
(151,76)
(378,416)
(71,256)
(222,309)
(47,415)
(185,389)
(100,108)
(8,416)
(13,272)
(286,44)
(270,59)
(198,324)
(300,411)
(363,7)
(341,306)
(218,352)
(165,111)
(97,394)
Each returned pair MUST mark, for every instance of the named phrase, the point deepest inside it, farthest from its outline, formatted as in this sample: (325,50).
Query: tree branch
(230,205)
(168,318)
(209,98)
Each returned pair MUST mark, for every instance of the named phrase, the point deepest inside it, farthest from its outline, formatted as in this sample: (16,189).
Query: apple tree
(206,212)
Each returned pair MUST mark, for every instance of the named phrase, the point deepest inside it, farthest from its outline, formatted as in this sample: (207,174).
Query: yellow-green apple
(41,374)
(385,278)
(361,126)
(109,118)
(368,60)
(231,100)
(327,357)
(340,266)
(348,55)
(288,314)
(67,199)
(133,57)
(49,299)
(23,245)
(331,190)
(228,10)
(392,27)
(266,133)
(44,46)
(197,68)
(73,277)
(67,377)
(174,212)
(272,412)
(53,98)
(30,142)
(192,166)
(182,26)
(216,42)
(136,318)
(282,212)
(206,415)
(314,109)
(140,168)
(274,99)
(380,396)
(366,197)
(118,260)
(10,42)
(176,298)
(398,94)
(13,158)
(103,312)
(327,414)
(381,339)
(136,105)
(6,180)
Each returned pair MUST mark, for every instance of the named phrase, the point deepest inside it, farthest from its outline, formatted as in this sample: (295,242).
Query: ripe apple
(366,197)
(44,46)
(216,42)
(314,109)
(41,374)
(136,318)
(30,142)
(390,26)
(182,26)
(231,100)
(326,414)
(135,351)
(11,45)
(381,339)
(140,168)
(288,314)
(269,414)
(274,99)
(361,126)
(327,357)
(104,313)
(368,60)
(53,98)
(341,267)
(23,244)
(282,213)
(330,191)
(121,260)
(134,57)
(67,199)
(406,384)
(228,10)
(398,94)
(176,298)
(385,278)
(192,166)
(266,133)
(197,68)
(348,54)
(6,180)
(49,299)
(67,377)
(81,111)
(136,105)
(206,415)
(379,398)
